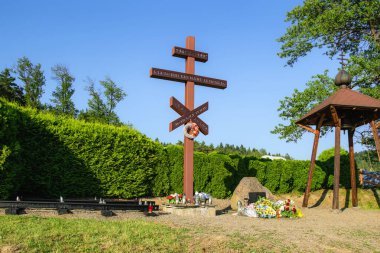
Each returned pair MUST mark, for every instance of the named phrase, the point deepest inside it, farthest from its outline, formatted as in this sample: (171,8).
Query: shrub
(326,159)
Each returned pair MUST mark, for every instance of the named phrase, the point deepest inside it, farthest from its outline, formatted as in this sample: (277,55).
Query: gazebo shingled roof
(355,108)
(345,109)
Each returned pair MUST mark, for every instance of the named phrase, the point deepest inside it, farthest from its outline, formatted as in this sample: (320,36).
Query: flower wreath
(191,130)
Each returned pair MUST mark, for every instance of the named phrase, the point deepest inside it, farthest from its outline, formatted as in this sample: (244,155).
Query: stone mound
(246,186)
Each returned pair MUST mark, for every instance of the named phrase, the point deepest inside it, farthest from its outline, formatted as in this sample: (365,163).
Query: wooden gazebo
(345,110)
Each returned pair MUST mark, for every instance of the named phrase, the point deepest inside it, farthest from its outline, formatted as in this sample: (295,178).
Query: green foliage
(219,174)
(367,160)
(229,149)
(113,95)
(220,170)
(5,152)
(62,101)
(100,111)
(294,107)
(46,155)
(9,89)
(285,176)
(348,26)
(52,156)
(212,173)
(33,78)
(96,111)
(161,182)
(327,158)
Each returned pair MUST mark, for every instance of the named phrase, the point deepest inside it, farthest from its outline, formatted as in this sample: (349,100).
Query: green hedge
(48,156)
(219,174)
(54,156)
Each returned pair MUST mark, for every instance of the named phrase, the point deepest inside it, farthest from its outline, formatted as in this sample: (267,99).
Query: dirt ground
(320,230)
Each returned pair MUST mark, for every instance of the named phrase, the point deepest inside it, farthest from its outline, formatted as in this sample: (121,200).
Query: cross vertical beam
(188,156)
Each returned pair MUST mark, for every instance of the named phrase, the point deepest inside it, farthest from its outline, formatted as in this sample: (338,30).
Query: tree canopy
(9,89)
(113,95)
(333,26)
(100,111)
(62,101)
(33,78)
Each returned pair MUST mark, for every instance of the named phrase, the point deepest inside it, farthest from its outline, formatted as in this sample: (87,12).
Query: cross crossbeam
(188,115)
(183,77)
(184,53)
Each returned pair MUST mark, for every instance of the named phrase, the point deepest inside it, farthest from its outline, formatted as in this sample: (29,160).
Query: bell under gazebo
(345,110)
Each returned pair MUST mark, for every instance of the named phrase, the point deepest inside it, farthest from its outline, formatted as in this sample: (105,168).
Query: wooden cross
(187,111)
(343,61)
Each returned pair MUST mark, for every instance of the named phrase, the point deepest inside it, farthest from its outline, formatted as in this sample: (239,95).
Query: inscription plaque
(183,77)
(184,53)
(187,115)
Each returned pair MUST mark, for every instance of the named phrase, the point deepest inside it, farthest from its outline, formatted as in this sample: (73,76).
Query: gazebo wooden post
(312,160)
(376,138)
(352,167)
(337,122)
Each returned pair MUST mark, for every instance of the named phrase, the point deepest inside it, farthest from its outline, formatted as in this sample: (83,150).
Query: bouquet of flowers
(265,211)
(287,209)
(174,198)
(264,208)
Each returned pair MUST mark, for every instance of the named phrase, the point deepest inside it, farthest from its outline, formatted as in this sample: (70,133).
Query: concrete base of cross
(208,211)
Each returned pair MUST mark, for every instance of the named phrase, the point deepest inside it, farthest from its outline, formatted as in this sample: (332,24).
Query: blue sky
(124,39)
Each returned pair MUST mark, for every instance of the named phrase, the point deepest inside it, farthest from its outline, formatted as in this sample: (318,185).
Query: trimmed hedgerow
(52,156)
(46,155)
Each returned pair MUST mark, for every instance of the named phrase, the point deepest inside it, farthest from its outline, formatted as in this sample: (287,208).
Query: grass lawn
(321,230)
(42,234)
(36,234)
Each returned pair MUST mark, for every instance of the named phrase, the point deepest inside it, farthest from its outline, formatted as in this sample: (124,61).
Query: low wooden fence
(106,207)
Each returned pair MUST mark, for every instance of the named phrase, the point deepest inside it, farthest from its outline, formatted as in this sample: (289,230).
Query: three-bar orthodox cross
(187,111)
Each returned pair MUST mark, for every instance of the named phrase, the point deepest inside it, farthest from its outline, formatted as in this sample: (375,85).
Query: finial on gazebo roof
(343,78)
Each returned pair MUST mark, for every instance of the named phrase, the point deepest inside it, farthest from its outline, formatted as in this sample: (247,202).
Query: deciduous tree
(62,101)
(113,95)
(333,26)
(101,111)
(33,78)
(9,89)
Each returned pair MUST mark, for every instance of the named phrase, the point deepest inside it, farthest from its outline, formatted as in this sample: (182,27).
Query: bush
(326,159)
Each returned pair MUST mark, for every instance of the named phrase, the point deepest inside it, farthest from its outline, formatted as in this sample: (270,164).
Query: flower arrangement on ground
(287,209)
(264,208)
